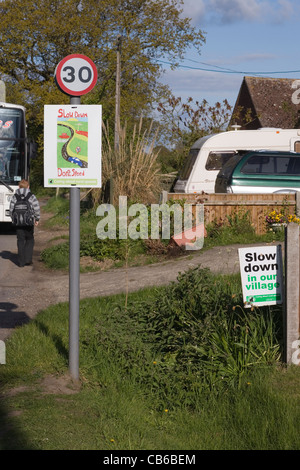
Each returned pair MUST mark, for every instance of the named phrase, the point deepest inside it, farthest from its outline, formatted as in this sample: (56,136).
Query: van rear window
(216,160)
(272,164)
(189,164)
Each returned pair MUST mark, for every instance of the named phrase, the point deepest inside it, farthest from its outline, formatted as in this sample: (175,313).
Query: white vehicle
(15,154)
(209,154)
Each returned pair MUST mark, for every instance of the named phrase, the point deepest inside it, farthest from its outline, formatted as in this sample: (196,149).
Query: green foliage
(57,256)
(191,339)
(59,205)
(240,223)
(133,394)
(35,38)
(236,228)
(110,249)
(186,122)
(59,208)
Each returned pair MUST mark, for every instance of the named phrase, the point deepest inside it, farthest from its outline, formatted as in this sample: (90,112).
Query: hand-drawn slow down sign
(76,75)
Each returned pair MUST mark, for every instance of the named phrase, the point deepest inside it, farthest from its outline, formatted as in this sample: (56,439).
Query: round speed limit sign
(76,75)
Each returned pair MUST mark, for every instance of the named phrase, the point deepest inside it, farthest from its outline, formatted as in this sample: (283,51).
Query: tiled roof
(271,101)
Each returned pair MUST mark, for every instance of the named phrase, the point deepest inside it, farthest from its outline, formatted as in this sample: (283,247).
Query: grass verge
(181,368)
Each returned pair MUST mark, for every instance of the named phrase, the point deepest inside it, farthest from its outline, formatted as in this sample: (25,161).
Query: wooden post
(297,203)
(118,94)
(163,197)
(292,290)
(2,91)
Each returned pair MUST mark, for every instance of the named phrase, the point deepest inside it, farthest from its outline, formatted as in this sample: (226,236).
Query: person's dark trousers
(25,242)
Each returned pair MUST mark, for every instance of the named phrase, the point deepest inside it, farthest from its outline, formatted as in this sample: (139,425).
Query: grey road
(11,311)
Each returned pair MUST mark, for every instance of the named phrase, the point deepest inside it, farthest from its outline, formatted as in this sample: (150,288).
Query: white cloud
(232,11)
(229,11)
(194,9)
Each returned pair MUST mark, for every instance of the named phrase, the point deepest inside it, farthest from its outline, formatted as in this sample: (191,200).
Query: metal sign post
(74,275)
(75,75)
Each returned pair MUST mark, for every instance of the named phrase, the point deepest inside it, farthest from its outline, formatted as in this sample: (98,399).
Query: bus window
(12,145)
(11,124)
(14,164)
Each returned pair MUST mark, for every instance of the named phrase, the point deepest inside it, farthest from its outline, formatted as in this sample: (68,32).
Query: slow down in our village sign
(261,275)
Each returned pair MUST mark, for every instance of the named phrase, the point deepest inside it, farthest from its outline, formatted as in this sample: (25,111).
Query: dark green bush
(57,256)
(198,336)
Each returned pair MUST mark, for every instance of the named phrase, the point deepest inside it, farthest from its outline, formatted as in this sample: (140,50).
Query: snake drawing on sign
(72,143)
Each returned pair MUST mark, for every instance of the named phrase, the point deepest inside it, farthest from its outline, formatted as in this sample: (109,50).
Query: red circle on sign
(70,75)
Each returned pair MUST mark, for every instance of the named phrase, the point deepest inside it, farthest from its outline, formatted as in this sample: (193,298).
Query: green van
(260,172)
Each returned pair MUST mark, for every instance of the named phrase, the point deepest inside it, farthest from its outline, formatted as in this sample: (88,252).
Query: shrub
(235,228)
(57,256)
(199,337)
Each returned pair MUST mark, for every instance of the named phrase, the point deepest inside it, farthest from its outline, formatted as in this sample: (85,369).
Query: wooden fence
(218,207)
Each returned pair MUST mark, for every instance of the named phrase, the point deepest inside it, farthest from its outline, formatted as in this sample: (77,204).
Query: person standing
(25,233)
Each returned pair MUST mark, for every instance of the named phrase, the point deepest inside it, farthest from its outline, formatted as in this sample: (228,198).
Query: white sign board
(72,146)
(261,275)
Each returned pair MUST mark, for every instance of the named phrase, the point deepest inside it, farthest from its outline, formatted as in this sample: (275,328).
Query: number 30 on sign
(76,75)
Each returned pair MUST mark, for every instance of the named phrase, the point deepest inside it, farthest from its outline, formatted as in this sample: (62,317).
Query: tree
(185,122)
(36,35)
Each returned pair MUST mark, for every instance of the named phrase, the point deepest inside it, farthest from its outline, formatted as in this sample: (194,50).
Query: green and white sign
(72,146)
(261,275)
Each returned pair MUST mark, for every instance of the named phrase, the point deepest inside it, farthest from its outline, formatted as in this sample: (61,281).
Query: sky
(243,38)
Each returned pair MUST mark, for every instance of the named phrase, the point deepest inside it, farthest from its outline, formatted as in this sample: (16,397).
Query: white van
(209,154)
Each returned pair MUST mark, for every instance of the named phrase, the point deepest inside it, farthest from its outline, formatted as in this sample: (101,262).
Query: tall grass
(133,168)
(237,229)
